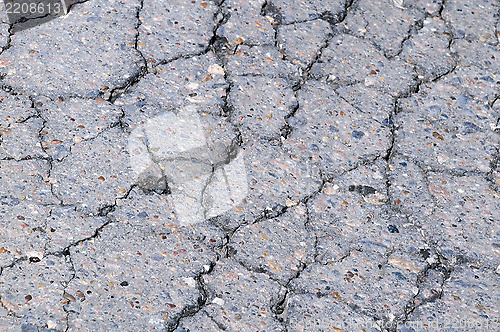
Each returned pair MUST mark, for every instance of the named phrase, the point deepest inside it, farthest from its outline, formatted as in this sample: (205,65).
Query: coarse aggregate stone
(279,165)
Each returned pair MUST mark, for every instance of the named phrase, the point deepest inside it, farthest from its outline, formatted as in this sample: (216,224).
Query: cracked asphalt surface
(369,133)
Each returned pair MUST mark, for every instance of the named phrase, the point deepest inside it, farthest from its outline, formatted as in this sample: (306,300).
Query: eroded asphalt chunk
(274,165)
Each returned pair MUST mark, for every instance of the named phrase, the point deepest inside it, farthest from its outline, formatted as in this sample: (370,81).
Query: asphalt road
(257,165)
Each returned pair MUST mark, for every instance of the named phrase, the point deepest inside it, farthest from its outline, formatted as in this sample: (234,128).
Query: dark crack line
(112,95)
(286,130)
(201,300)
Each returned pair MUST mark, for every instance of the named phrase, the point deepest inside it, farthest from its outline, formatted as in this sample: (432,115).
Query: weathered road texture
(370,133)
